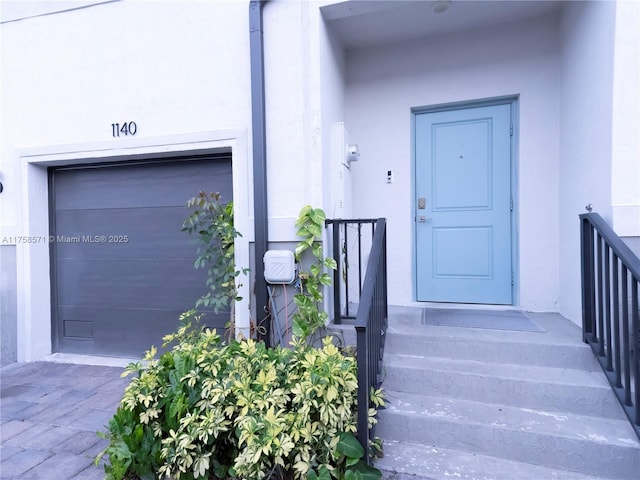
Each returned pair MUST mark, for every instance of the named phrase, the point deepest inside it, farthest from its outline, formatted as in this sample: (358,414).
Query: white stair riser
(584,400)
(569,356)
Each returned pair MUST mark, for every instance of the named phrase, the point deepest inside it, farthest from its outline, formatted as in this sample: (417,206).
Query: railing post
(617,364)
(599,286)
(626,357)
(384,279)
(362,355)
(607,304)
(635,331)
(346,270)
(337,315)
(587,262)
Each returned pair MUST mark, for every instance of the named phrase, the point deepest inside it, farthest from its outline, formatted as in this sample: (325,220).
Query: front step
(481,404)
(519,350)
(546,388)
(580,443)
(410,461)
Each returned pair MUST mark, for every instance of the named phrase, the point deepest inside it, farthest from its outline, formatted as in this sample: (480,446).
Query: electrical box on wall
(279,266)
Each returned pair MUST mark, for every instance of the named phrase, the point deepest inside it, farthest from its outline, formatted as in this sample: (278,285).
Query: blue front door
(464,205)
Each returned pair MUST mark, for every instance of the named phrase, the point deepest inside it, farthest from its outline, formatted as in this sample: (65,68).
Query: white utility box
(279,266)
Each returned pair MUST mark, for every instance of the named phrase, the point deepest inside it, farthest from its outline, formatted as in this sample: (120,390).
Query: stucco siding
(625,174)
(180,71)
(586,126)
(384,83)
(8,296)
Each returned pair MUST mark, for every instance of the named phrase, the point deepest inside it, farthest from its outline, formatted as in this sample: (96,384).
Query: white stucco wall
(180,70)
(304,99)
(384,83)
(334,138)
(625,154)
(586,126)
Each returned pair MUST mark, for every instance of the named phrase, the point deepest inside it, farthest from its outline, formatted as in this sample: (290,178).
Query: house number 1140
(124,129)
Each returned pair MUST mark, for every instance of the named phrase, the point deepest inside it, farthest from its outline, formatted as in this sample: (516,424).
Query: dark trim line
(258,128)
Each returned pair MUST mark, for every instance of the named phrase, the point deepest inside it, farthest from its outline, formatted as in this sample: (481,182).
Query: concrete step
(502,347)
(584,444)
(544,388)
(493,404)
(559,344)
(409,461)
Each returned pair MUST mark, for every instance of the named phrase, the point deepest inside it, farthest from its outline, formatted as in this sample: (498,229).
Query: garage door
(122,269)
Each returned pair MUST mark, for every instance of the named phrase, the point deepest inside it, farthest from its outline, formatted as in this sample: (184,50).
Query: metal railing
(610,283)
(372,313)
(350,238)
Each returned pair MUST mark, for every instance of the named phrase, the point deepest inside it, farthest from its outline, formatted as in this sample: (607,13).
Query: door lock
(422,203)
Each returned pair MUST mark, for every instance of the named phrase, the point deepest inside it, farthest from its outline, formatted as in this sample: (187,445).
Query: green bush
(206,410)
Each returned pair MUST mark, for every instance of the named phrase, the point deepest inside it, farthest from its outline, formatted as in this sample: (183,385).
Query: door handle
(423,219)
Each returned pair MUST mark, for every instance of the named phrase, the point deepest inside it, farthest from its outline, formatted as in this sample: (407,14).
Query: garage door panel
(165,283)
(144,185)
(123,270)
(124,232)
(117,331)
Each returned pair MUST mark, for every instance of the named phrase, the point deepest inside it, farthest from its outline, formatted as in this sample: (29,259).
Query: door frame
(34,315)
(513,102)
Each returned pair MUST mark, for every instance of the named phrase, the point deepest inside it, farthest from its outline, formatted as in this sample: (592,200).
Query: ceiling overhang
(365,23)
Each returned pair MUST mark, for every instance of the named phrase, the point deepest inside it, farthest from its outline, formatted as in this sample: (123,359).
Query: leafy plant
(349,450)
(205,410)
(212,221)
(310,315)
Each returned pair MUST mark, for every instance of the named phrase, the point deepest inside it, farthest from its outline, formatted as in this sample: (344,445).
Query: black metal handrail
(348,281)
(610,283)
(370,319)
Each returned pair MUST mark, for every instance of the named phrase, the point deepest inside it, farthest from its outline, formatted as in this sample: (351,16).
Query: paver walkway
(49,416)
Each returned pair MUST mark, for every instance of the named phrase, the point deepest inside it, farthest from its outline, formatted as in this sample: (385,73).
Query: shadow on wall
(8,307)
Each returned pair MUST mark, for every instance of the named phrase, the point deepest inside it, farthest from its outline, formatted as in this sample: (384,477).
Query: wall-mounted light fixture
(353,153)
(440,6)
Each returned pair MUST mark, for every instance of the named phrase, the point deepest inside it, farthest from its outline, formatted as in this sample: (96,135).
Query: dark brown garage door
(122,269)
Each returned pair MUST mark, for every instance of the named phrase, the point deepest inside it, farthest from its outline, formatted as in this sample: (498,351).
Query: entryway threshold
(466,306)
(89,360)
(556,329)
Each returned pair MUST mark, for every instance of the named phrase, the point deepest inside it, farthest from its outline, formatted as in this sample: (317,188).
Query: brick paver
(60,466)
(49,416)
